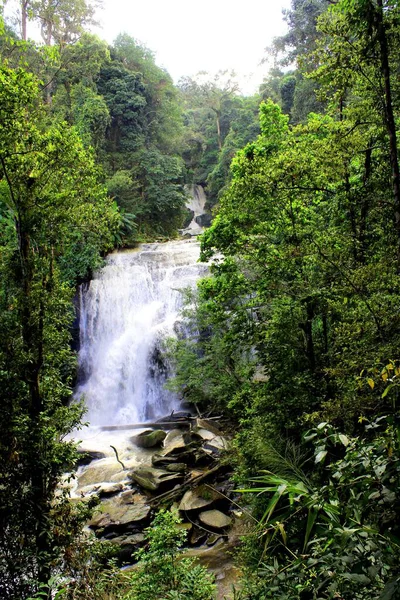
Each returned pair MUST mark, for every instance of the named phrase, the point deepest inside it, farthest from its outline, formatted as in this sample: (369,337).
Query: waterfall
(130,306)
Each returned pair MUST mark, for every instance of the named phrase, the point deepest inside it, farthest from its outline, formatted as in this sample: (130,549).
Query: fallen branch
(187,484)
(117,457)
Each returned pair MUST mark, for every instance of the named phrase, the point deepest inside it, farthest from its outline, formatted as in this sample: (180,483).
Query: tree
(51,201)
(61,21)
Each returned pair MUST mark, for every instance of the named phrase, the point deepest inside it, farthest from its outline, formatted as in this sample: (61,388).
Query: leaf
(387,390)
(344,439)
(371,383)
(312,515)
(320,456)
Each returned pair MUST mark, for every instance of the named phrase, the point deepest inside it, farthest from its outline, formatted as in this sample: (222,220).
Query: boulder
(215,519)
(209,425)
(155,480)
(127,546)
(158,460)
(216,445)
(204,220)
(116,516)
(85,457)
(198,498)
(197,536)
(204,434)
(109,489)
(103,471)
(149,438)
(176,468)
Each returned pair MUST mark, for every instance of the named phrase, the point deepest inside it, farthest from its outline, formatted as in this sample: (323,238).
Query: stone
(215,446)
(88,456)
(117,515)
(149,438)
(215,519)
(180,444)
(204,220)
(197,536)
(175,416)
(100,472)
(204,434)
(127,546)
(209,425)
(158,460)
(198,498)
(176,468)
(213,539)
(155,480)
(109,489)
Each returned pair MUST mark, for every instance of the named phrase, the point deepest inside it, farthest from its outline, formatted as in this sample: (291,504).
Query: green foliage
(53,206)
(336,536)
(161,573)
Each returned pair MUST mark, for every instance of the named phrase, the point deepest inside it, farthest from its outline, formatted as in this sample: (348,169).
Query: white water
(125,312)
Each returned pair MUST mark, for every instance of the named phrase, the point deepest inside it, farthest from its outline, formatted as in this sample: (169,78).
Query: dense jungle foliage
(294,335)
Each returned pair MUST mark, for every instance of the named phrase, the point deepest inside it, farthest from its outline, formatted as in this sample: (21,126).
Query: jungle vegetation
(294,335)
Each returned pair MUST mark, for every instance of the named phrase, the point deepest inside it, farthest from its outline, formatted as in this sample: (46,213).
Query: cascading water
(130,306)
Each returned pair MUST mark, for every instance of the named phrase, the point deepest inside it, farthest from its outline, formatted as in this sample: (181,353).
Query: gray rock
(176,468)
(109,489)
(204,220)
(155,480)
(197,536)
(149,438)
(215,519)
(88,456)
(209,425)
(198,498)
(116,514)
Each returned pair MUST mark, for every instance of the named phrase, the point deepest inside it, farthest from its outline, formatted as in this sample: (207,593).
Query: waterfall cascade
(130,306)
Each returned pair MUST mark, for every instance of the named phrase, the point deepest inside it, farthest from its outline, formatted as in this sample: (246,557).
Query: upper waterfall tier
(130,306)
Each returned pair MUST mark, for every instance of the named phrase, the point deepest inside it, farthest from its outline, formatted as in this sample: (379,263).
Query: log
(155,425)
(181,422)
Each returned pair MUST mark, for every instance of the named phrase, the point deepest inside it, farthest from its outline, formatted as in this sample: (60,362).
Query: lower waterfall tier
(126,312)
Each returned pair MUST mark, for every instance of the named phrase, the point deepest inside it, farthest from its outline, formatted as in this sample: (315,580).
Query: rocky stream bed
(183,464)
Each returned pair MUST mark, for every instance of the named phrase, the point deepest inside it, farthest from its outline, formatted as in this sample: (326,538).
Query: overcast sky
(190,36)
(204,35)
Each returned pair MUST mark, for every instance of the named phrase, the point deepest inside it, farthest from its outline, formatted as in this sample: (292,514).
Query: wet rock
(116,515)
(155,480)
(198,498)
(209,425)
(189,216)
(109,489)
(127,546)
(162,461)
(175,416)
(216,445)
(88,456)
(197,536)
(215,519)
(204,434)
(176,441)
(176,468)
(181,445)
(149,438)
(101,472)
(204,220)
(214,539)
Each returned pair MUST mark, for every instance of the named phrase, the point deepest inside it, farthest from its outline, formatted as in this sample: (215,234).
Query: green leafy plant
(161,573)
(333,533)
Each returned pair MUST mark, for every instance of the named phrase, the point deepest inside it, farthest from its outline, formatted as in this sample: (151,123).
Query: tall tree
(51,202)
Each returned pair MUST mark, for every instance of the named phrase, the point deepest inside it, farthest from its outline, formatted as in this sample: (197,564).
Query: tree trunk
(389,117)
(24,19)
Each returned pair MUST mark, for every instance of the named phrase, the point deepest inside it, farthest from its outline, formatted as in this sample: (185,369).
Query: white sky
(204,35)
